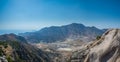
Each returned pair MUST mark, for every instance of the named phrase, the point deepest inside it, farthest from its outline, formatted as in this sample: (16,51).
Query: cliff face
(106,49)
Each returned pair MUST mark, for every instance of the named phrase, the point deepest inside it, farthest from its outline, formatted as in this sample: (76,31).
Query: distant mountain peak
(61,33)
(75,24)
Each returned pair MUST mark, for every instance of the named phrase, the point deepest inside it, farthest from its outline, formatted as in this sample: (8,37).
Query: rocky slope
(106,49)
(72,31)
(14,48)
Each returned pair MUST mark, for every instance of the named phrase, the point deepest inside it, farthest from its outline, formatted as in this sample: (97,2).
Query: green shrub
(9,59)
(5,44)
(98,37)
(1,52)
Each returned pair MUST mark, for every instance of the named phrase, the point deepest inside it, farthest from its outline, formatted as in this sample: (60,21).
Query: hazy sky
(35,14)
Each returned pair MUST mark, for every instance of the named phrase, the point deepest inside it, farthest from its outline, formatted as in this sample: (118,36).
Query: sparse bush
(98,37)
(5,44)
(1,52)
(9,59)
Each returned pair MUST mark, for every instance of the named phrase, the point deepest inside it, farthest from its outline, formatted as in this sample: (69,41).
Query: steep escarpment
(106,49)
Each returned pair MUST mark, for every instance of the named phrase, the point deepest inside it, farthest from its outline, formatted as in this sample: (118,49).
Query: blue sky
(31,15)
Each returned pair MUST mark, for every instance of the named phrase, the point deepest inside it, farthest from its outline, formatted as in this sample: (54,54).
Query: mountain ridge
(61,33)
(12,37)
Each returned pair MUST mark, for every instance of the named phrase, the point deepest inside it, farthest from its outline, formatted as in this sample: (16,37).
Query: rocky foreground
(106,49)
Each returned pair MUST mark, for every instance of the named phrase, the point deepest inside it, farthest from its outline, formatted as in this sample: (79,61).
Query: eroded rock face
(106,49)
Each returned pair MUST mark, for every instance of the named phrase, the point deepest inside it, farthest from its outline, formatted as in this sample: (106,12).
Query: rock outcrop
(106,49)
